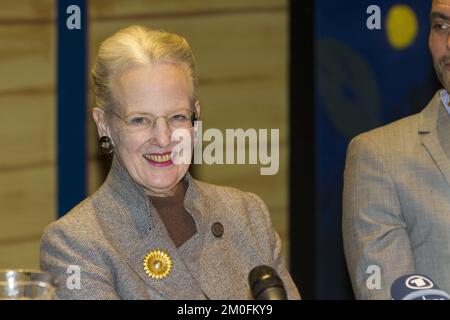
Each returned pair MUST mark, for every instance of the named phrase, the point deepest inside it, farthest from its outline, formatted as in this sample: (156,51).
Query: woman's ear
(100,120)
(197,123)
(197,108)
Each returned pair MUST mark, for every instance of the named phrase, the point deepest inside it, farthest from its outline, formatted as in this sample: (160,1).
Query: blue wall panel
(71,113)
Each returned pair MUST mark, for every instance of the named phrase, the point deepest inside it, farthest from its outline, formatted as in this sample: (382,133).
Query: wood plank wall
(27,128)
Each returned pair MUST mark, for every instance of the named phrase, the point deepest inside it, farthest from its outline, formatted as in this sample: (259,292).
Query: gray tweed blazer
(109,233)
(396,208)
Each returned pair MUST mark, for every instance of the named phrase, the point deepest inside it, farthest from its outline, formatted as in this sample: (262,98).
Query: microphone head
(417,287)
(265,284)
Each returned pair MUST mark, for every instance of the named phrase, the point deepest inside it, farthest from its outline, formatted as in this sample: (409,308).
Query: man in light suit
(396,201)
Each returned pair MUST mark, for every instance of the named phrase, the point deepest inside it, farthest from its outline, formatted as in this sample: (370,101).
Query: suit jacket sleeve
(276,249)
(61,249)
(374,231)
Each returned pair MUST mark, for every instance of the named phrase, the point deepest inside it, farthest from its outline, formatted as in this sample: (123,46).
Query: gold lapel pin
(157,264)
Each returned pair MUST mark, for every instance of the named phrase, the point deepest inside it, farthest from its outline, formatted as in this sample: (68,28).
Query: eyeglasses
(142,122)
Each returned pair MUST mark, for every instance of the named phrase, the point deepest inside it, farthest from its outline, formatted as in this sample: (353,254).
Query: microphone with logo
(416,287)
(265,284)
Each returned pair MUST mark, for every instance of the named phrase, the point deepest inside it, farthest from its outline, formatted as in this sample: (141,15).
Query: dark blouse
(178,222)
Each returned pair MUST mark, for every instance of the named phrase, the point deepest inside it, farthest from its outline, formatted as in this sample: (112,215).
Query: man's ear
(100,120)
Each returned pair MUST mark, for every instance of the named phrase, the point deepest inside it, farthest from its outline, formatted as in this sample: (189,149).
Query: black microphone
(416,287)
(265,284)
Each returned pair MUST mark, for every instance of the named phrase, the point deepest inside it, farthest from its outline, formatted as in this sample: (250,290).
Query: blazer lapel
(222,266)
(134,228)
(431,120)
(179,284)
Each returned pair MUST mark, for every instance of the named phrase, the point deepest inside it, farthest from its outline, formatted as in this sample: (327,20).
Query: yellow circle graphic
(401,26)
(157,264)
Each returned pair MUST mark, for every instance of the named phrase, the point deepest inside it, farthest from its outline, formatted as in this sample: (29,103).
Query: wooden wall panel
(27,129)
(175,9)
(20,254)
(15,12)
(26,201)
(27,59)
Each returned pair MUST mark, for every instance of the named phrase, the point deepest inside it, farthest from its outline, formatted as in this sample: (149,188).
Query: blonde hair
(134,46)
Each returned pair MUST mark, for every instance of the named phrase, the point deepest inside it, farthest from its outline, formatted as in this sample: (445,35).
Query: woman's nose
(161,132)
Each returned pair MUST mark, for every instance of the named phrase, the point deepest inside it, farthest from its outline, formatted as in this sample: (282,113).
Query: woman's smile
(159,159)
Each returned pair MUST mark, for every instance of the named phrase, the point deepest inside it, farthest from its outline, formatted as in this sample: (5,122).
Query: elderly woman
(151,231)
